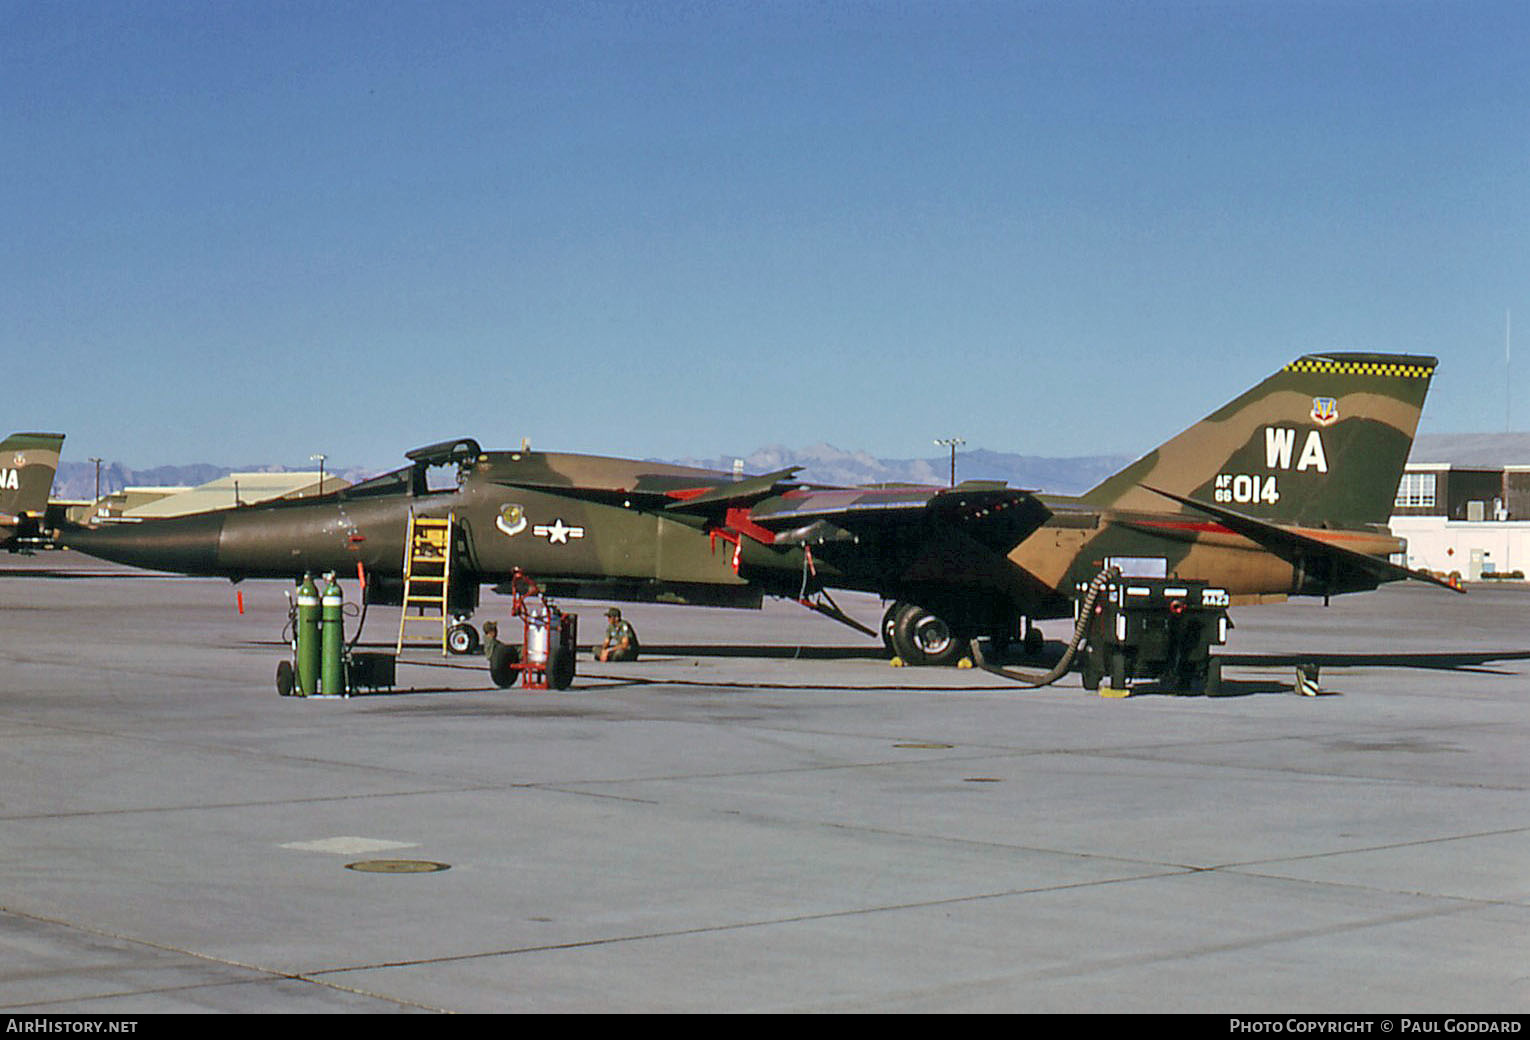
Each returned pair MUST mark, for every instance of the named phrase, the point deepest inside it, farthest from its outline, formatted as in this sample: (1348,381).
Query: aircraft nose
(183,544)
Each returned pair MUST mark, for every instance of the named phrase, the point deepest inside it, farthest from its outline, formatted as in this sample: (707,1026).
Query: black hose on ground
(1085,613)
(360,623)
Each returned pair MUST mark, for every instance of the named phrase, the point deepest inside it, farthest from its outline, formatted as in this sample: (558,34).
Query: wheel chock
(1307,682)
(1114,694)
(896,662)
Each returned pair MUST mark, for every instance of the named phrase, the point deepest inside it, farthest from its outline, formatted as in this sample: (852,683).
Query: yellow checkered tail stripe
(1361,368)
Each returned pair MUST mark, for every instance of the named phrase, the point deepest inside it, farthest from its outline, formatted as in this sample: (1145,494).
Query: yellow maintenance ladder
(427,575)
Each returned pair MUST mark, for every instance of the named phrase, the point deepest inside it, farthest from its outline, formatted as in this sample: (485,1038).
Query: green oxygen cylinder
(332,677)
(308,638)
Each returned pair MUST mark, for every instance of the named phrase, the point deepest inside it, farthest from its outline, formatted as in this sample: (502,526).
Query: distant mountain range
(822,464)
(826,464)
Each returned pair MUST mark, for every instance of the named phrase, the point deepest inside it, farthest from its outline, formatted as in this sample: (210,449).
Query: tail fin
(27,464)
(1321,443)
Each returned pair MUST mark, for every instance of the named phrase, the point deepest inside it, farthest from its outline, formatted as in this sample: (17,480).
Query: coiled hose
(1085,613)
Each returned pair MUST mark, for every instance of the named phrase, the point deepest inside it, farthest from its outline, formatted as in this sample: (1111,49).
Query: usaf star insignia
(557,532)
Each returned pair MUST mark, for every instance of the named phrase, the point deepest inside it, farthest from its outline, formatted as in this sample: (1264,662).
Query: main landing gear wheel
(462,638)
(889,622)
(921,638)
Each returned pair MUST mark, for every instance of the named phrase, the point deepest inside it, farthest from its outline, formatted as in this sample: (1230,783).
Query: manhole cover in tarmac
(398,866)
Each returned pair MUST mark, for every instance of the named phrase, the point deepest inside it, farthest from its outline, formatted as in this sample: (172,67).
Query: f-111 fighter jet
(1286,490)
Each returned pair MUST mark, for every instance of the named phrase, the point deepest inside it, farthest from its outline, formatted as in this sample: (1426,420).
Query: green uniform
(618,630)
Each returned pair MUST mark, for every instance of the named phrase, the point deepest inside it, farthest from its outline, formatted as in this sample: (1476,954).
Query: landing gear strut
(1034,642)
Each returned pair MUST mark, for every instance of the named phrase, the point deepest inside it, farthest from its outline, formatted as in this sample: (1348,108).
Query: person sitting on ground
(621,643)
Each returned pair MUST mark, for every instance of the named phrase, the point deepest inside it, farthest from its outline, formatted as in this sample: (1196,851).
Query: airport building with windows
(1466,515)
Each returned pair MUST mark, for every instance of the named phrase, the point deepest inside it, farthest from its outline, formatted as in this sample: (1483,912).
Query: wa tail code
(1279,442)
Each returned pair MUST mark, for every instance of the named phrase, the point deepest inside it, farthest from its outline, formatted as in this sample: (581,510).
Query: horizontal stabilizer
(1289,544)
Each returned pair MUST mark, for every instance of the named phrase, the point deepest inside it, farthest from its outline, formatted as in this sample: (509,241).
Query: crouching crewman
(621,642)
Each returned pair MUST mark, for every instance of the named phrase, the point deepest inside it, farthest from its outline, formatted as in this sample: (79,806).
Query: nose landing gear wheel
(462,638)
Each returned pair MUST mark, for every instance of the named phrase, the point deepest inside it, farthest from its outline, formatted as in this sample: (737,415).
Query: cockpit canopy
(460,450)
(413,479)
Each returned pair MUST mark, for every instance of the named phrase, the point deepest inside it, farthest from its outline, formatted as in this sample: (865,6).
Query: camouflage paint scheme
(27,464)
(1284,491)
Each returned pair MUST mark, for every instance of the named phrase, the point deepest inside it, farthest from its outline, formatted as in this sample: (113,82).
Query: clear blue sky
(247,232)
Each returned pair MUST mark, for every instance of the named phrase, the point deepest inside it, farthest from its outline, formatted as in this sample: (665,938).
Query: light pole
(319,458)
(96,505)
(952,443)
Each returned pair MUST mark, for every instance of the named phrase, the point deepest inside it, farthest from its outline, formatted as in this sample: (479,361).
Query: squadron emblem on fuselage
(511,520)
